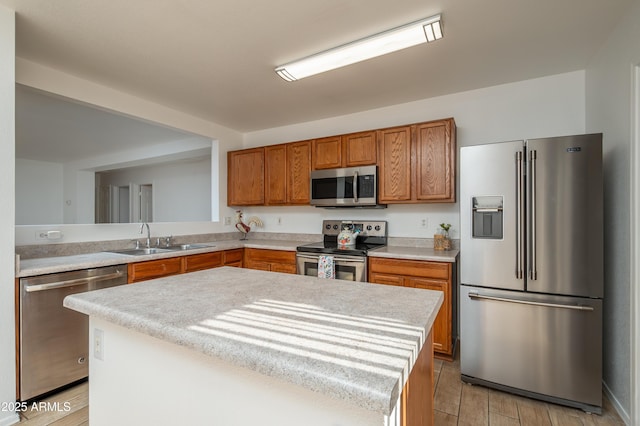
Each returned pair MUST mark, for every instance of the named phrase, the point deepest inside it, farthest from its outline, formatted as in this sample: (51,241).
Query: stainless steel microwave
(346,187)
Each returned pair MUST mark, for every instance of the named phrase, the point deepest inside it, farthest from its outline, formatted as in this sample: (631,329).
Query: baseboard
(10,419)
(616,404)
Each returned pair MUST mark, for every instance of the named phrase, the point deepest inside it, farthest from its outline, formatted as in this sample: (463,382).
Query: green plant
(445,226)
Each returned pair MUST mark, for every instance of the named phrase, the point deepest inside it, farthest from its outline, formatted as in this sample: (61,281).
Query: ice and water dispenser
(487,217)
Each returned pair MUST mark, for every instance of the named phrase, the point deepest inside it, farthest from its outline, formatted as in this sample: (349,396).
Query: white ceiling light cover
(424,30)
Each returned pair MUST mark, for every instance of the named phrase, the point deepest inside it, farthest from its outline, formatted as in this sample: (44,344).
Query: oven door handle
(335,258)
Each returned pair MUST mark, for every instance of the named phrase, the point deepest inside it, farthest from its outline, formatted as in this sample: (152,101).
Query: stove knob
(368,227)
(328,226)
(335,226)
(377,227)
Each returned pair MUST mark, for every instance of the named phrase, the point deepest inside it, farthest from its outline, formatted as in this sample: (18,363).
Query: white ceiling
(215,58)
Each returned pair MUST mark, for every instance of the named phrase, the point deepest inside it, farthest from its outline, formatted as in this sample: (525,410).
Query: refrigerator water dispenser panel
(487,217)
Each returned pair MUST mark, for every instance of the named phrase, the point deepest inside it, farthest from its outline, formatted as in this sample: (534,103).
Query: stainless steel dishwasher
(54,340)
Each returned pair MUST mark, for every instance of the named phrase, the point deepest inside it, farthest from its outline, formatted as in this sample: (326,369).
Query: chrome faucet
(148,233)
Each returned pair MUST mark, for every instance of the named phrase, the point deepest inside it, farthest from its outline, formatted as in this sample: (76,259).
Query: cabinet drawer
(197,262)
(414,268)
(154,269)
(378,278)
(270,256)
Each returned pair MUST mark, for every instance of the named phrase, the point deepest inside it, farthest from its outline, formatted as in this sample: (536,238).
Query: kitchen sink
(142,251)
(189,246)
(156,250)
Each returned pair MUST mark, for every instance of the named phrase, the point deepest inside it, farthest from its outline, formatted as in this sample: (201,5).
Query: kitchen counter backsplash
(69,249)
(37,251)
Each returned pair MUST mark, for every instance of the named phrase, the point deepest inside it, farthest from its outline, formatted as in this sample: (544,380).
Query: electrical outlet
(227,220)
(98,344)
(425,223)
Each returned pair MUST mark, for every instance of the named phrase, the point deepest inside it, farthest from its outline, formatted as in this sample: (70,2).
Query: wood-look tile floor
(67,408)
(458,403)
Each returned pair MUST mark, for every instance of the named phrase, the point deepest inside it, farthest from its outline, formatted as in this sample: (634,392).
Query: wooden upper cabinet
(359,149)
(417,163)
(245,177)
(327,153)
(275,190)
(394,159)
(352,150)
(435,161)
(299,172)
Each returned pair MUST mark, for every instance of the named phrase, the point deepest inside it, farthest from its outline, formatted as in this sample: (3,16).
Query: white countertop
(415,253)
(352,341)
(50,265)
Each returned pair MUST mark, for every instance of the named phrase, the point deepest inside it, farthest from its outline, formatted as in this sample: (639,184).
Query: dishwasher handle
(70,283)
(529,302)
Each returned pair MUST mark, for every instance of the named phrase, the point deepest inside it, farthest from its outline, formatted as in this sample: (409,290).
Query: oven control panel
(366,228)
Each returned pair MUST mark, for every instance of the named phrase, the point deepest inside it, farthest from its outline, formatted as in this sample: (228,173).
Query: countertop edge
(175,335)
(50,265)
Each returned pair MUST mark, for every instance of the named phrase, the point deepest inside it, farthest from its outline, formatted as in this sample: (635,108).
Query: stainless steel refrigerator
(531,268)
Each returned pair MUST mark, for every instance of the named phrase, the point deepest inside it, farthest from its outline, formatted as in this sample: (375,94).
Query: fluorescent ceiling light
(425,30)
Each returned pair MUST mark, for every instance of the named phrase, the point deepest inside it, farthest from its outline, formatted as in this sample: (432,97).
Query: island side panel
(417,394)
(143,380)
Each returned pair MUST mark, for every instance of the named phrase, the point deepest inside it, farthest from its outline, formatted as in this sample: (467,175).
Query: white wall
(7,212)
(44,179)
(609,85)
(50,80)
(181,191)
(549,106)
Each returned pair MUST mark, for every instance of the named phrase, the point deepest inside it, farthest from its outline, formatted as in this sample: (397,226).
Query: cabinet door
(359,149)
(435,161)
(245,177)
(270,260)
(154,269)
(198,262)
(299,172)
(442,325)
(327,153)
(283,267)
(233,257)
(275,174)
(394,171)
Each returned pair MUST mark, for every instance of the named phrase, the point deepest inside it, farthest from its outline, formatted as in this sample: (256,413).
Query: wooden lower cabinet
(233,257)
(150,269)
(270,260)
(427,275)
(142,271)
(198,262)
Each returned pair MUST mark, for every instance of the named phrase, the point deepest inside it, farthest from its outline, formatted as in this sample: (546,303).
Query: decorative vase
(441,240)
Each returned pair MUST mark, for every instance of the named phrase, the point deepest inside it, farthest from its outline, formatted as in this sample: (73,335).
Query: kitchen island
(236,346)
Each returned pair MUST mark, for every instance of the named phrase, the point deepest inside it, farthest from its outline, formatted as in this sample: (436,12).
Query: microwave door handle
(355,187)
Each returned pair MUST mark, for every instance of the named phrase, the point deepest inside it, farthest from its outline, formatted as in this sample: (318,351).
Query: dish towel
(326,267)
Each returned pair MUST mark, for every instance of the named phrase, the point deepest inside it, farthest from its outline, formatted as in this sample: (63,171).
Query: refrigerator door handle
(533,271)
(527,302)
(519,222)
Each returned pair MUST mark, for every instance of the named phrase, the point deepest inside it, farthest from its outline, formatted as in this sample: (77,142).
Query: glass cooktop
(332,247)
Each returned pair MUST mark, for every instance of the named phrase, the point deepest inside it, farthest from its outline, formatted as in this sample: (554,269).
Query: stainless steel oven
(346,187)
(351,268)
(349,261)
